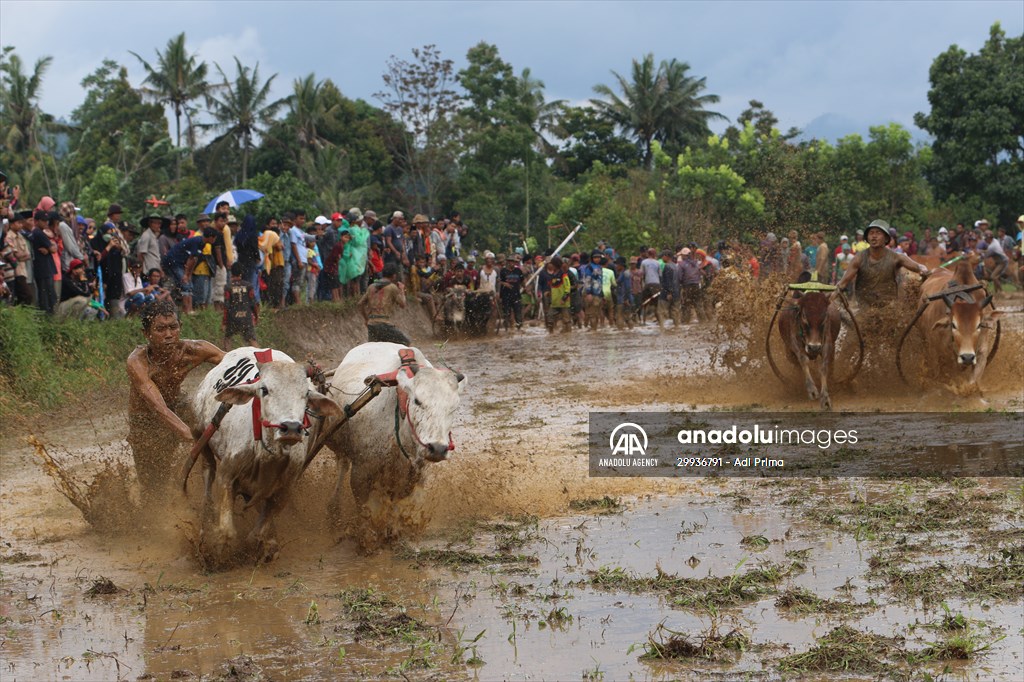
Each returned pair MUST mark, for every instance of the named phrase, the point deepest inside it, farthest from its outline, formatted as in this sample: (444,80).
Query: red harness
(258,422)
(409,367)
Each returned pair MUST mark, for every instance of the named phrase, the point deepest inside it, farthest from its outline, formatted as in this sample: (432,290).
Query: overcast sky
(866,62)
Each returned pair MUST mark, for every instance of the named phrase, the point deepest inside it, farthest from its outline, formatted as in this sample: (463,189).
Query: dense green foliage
(638,164)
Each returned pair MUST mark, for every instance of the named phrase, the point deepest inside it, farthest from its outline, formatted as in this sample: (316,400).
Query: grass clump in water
(711,645)
(799,600)
(711,592)
(847,650)
(605,505)
(459,558)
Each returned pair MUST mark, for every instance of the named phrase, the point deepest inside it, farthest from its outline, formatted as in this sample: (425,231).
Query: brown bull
(959,329)
(809,329)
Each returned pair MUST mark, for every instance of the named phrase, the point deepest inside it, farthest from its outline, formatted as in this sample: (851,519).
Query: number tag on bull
(242,371)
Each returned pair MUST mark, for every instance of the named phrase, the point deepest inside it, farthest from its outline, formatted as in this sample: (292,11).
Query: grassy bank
(48,364)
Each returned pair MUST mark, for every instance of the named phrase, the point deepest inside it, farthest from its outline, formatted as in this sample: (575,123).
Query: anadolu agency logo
(628,440)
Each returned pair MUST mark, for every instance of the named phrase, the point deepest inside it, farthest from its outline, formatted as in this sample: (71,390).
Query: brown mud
(530,568)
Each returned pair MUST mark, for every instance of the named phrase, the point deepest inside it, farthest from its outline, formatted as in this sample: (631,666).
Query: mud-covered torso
(876,279)
(167,375)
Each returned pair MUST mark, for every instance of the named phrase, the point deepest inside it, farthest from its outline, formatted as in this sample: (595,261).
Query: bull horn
(986,301)
(459,376)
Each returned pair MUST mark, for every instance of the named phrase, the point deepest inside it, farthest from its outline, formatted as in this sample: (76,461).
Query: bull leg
(223,503)
(812,388)
(264,532)
(825,401)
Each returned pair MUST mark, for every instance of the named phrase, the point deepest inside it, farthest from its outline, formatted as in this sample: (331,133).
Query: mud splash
(502,586)
(109,503)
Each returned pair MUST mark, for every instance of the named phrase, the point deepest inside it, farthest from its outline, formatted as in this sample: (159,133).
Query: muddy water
(521,450)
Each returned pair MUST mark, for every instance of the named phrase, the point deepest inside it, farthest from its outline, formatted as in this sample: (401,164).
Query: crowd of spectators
(79,268)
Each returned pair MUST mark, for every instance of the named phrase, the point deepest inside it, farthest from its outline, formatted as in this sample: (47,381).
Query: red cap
(337,216)
(75,262)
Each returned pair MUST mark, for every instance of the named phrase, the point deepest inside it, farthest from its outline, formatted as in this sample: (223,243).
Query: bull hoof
(812,392)
(826,402)
(269,549)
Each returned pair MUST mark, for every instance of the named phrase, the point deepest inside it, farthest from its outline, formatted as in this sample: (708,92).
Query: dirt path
(532,569)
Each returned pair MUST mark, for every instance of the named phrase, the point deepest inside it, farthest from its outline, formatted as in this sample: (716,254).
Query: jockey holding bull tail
(156,417)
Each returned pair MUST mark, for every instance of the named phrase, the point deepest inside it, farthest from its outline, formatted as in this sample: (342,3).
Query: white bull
(257,453)
(391,441)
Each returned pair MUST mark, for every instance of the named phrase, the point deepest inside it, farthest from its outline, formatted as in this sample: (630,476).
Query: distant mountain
(832,126)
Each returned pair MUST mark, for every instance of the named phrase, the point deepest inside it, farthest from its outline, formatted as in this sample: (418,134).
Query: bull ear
(941,323)
(323,405)
(460,380)
(238,395)
(994,315)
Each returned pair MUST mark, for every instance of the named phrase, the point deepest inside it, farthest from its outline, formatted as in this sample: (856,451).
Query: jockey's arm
(911,264)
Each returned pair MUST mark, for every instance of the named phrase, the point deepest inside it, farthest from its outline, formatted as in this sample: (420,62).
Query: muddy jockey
(875,269)
(155,405)
(378,304)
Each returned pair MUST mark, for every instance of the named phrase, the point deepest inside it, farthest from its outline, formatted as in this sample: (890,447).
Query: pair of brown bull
(957,320)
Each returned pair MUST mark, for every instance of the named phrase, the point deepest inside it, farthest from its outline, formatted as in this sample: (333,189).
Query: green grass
(47,363)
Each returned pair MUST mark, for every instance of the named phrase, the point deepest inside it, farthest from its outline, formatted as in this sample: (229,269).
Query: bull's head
(813,312)
(968,322)
(455,304)
(431,398)
(284,393)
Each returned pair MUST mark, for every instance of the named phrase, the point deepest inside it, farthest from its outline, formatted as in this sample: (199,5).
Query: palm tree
(309,110)
(243,111)
(686,119)
(176,80)
(660,103)
(19,103)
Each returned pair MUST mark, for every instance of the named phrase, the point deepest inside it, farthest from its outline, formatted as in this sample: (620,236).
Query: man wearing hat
(16,249)
(875,269)
(861,244)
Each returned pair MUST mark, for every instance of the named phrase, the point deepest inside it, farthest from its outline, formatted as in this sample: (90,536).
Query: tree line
(638,164)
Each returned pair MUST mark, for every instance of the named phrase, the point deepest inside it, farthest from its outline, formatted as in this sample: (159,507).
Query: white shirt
(489,282)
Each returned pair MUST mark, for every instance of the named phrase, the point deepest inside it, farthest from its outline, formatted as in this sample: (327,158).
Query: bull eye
(264,391)
(416,401)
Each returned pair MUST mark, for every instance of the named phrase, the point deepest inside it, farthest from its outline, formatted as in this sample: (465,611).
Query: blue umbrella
(234,197)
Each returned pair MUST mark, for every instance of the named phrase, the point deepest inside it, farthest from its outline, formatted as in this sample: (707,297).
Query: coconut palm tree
(309,109)
(243,111)
(19,103)
(662,103)
(177,79)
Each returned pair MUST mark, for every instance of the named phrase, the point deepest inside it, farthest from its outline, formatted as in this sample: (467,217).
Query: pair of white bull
(259,453)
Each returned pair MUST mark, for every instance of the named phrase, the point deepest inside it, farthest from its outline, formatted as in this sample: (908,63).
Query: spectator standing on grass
(148,247)
(300,258)
(43,269)
(18,250)
(68,232)
(241,309)
(274,258)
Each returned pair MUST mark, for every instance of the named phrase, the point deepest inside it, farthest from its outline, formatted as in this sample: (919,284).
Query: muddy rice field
(530,569)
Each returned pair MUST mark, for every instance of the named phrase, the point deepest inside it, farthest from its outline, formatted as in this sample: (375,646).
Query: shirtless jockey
(155,404)
(378,304)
